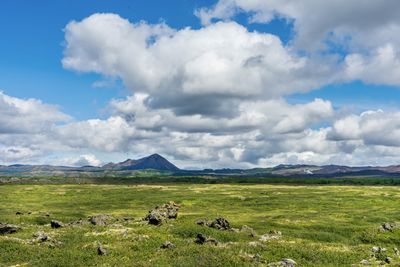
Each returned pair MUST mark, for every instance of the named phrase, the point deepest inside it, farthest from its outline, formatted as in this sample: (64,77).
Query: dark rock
(162,213)
(41,237)
(101,219)
(101,250)
(8,229)
(167,245)
(155,217)
(388,227)
(220,223)
(202,239)
(56,224)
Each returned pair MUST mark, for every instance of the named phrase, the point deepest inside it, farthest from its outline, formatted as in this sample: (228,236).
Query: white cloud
(191,71)
(82,160)
(27,115)
(215,96)
(333,20)
(382,66)
(373,128)
(365,31)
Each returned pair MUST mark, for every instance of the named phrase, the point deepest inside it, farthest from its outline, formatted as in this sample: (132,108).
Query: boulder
(162,213)
(202,239)
(41,237)
(101,250)
(101,219)
(220,223)
(385,227)
(56,224)
(167,245)
(8,229)
(155,217)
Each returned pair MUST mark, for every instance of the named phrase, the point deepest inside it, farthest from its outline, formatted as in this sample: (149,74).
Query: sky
(207,84)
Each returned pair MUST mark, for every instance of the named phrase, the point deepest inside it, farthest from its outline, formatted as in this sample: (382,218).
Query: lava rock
(41,237)
(162,213)
(220,223)
(202,239)
(101,250)
(56,224)
(167,245)
(101,219)
(385,227)
(8,229)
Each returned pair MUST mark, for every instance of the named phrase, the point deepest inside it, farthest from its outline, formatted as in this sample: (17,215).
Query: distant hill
(155,162)
(156,165)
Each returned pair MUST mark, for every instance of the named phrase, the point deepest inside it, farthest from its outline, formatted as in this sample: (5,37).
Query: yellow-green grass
(320,225)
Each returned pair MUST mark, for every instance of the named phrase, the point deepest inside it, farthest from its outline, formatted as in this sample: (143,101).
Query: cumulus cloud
(382,66)
(366,23)
(19,154)
(205,71)
(215,96)
(371,127)
(365,31)
(82,160)
(27,115)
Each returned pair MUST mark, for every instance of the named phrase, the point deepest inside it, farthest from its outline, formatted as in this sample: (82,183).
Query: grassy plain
(320,225)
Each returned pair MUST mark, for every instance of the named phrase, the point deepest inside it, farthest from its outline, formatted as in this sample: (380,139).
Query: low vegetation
(216,225)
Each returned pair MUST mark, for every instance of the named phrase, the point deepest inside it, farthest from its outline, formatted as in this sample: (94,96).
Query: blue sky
(33,47)
(316,88)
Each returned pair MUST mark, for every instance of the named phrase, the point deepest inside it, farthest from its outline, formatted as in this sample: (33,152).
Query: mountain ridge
(161,165)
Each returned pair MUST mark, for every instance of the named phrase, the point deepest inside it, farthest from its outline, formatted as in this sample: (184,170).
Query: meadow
(320,225)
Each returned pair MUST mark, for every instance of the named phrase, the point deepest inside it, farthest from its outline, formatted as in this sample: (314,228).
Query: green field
(320,225)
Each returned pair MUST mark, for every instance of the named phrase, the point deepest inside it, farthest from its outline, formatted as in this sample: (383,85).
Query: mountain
(154,161)
(158,165)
